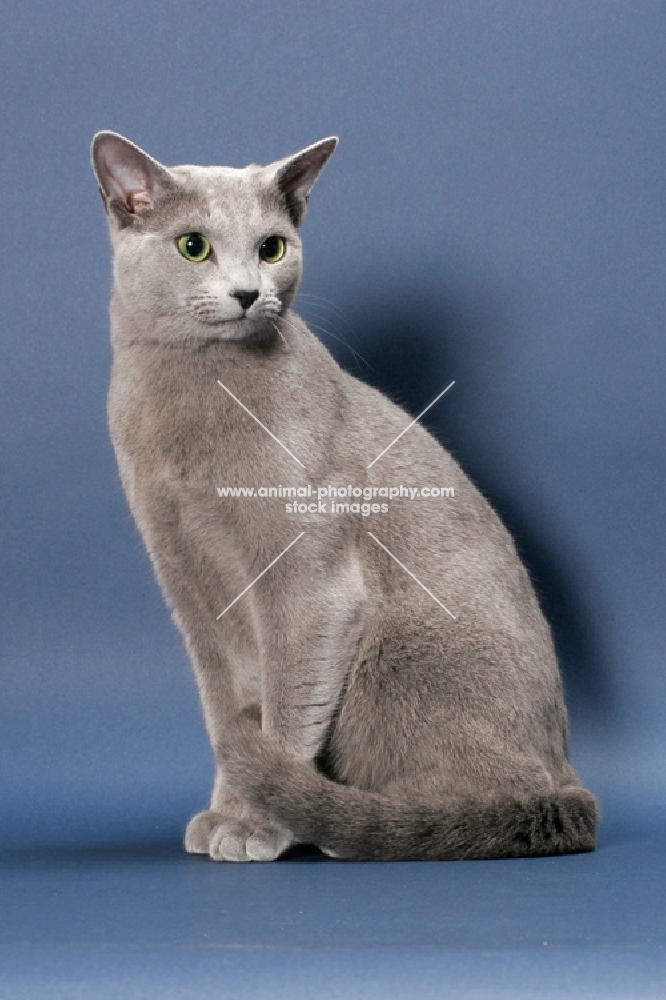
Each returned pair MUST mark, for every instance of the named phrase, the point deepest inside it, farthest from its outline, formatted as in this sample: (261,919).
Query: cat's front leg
(310,654)
(310,632)
(230,831)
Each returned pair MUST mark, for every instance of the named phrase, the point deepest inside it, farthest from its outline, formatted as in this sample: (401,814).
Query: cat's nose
(246,298)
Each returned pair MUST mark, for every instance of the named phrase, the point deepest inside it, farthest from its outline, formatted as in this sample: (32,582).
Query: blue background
(494,215)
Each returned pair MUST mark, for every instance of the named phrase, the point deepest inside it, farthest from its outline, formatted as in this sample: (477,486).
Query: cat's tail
(366,826)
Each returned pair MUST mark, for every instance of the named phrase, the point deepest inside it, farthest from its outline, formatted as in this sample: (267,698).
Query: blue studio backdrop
(494,214)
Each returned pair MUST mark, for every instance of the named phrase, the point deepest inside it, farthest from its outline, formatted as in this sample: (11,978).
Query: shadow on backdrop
(411,354)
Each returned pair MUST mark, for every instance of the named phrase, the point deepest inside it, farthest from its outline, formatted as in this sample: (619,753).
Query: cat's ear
(131,183)
(295,175)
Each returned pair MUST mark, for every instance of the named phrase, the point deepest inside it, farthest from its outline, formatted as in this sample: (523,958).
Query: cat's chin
(247,329)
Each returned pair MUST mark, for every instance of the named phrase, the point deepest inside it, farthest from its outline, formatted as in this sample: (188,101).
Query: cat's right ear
(131,183)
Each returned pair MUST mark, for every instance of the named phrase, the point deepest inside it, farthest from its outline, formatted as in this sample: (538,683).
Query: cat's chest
(178,424)
(162,429)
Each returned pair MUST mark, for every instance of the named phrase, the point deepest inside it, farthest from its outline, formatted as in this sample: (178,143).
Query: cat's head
(204,253)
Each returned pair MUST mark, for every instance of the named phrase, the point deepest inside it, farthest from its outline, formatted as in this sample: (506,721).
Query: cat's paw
(239,840)
(227,838)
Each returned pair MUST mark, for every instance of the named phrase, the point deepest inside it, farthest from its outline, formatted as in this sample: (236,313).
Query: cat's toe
(227,842)
(198,831)
(268,843)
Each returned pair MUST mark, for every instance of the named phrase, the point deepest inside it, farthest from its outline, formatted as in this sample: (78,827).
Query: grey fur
(387,728)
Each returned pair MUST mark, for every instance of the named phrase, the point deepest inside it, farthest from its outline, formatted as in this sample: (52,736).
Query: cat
(380,683)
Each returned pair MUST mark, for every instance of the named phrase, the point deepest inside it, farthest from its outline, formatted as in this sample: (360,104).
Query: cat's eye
(194,247)
(273,249)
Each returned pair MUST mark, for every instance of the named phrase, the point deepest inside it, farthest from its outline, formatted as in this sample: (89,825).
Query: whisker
(329,304)
(328,333)
(280,334)
(356,354)
(321,304)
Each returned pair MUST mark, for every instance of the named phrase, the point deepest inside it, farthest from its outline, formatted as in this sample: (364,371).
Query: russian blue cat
(377,680)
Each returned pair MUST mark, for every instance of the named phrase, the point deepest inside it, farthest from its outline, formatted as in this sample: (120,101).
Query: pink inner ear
(130,181)
(131,185)
(137,200)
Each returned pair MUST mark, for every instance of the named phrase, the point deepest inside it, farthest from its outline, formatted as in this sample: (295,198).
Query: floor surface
(151,922)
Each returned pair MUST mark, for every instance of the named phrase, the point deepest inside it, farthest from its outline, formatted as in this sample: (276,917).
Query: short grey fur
(344,706)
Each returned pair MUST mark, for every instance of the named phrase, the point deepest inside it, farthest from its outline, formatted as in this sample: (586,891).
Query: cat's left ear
(130,182)
(295,175)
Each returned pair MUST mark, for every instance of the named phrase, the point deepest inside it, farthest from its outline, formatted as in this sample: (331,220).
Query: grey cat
(381,682)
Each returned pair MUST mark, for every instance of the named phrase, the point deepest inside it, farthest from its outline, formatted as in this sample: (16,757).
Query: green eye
(273,249)
(194,247)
